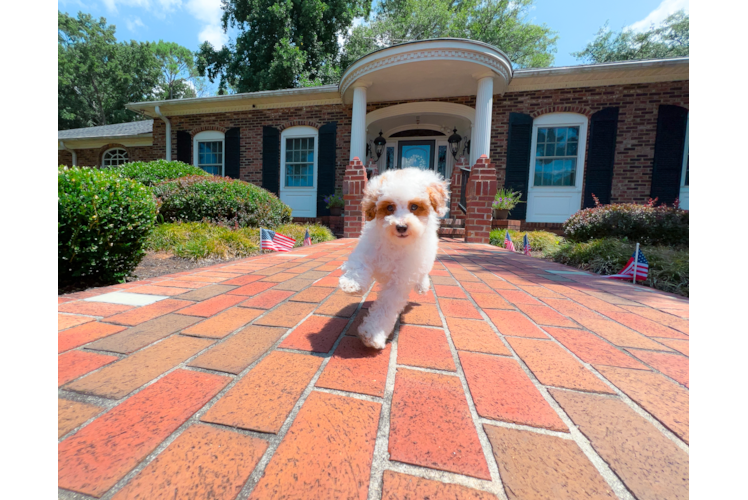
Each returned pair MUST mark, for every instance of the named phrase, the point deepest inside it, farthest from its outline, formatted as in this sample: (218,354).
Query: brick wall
(92,157)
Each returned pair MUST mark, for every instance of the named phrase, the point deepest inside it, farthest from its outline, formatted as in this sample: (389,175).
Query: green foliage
(540,241)
(179,76)
(102,223)
(97,76)
(646,224)
(670,39)
(281,43)
(200,240)
(334,200)
(668,267)
(221,200)
(154,172)
(501,23)
(505,199)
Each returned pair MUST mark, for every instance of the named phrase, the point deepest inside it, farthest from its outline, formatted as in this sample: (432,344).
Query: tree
(97,75)
(179,76)
(670,39)
(281,44)
(501,23)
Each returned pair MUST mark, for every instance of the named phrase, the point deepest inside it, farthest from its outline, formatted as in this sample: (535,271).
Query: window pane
(560,149)
(551,135)
(573,134)
(540,150)
(550,149)
(390,162)
(571,148)
(561,134)
(541,134)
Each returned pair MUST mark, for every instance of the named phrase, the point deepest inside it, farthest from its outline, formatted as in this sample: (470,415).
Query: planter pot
(500,214)
(336,211)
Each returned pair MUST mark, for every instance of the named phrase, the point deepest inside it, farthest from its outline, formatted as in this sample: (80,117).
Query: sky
(190,22)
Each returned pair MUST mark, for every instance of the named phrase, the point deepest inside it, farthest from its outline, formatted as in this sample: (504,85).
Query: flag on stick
(526,245)
(307,239)
(508,241)
(270,240)
(637,268)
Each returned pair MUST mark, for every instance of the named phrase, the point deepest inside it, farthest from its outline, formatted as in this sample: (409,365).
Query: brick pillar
(482,186)
(455,187)
(354,182)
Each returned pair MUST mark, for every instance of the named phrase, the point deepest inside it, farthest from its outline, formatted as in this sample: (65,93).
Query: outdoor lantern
(454,143)
(379,143)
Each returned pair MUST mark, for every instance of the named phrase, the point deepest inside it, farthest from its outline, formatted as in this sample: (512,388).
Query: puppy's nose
(401,228)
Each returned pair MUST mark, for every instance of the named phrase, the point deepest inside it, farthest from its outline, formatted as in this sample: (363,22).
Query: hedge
(103,220)
(220,200)
(153,172)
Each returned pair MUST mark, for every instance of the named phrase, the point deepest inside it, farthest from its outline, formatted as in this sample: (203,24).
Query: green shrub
(220,200)
(647,224)
(540,241)
(201,240)
(102,223)
(153,172)
(668,267)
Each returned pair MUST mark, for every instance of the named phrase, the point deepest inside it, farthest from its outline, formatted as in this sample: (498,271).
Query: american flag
(271,240)
(307,239)
(526,245)
(641,265)
(508,241)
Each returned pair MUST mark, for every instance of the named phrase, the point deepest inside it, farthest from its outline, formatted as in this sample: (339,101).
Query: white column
(481,138)
(358,123)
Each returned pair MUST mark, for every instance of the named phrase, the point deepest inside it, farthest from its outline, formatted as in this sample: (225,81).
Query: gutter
(168,132)
(72,151)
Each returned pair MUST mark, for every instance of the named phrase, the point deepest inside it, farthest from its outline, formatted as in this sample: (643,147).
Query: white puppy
(397,247)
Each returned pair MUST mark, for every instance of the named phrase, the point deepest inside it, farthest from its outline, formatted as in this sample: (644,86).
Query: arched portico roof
(425,69)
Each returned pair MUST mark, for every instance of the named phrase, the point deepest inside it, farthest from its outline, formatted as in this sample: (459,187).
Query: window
(114,157)
(208,150)
(556,152)
(300,162)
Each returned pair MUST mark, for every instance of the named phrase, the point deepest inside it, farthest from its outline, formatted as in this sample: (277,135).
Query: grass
(202,240)
(541,242)
(668,266)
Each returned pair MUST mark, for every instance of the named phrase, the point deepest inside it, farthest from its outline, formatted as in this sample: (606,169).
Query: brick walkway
(513,378)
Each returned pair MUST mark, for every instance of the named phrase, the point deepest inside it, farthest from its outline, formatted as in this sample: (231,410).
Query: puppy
(397,247)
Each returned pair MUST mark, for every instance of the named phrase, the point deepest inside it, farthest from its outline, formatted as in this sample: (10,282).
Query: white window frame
(554,120)
(299,132)
(103,156)
(209,136)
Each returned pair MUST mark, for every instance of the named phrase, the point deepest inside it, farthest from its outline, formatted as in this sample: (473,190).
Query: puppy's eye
(413,207)
(390,208)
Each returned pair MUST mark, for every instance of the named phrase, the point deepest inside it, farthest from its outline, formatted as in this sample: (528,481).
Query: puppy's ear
(369,203)
(438,195)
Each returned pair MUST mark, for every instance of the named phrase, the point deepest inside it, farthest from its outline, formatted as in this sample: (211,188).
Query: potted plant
(335,203)
(504,201)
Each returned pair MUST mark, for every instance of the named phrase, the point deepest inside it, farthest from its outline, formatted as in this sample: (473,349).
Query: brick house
(558,135)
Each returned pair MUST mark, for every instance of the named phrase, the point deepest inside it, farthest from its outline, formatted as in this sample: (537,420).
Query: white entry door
(556,167)
(298,176)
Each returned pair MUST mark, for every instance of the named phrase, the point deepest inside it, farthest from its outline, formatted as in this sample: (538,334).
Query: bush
(153,172)
(220,200)
(102,223)
(200,240)
(668,267)
(540,241)
(647,224)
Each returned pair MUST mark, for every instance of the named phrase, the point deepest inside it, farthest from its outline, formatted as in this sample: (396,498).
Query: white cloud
(158,8)
(209,12)
(133,23)
(658,15)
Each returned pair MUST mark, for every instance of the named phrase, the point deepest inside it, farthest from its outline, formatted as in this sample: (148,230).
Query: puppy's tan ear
(369,203)
(438,195)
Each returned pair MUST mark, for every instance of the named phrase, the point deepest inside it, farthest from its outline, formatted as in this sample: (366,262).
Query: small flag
(526,245)
(307,239)
(508,242)
(636,262)
(270,240)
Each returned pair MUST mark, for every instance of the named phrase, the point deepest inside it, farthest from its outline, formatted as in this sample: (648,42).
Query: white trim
(423,108)
(410,126)
(209,136)
(568,199)
(310,210)
(116,148)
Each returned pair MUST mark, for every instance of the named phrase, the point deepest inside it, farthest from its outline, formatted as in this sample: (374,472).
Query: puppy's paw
(423,286)
(349,286)
(376,341)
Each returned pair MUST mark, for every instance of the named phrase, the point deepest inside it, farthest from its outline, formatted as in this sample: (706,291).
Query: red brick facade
(92,157)
(481,190)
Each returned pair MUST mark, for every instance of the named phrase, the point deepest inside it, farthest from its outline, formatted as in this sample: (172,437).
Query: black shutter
(184,146)
(519,142)
(231,165)
(326,163)
(601,155)
(668,153)
(271,159)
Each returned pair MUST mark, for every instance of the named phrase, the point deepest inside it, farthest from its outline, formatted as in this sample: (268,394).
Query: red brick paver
(471,397)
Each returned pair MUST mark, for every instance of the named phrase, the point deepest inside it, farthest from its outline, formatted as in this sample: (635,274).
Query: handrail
(463,189)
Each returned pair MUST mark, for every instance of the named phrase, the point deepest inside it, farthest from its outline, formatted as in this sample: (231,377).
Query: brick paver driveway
(513,378)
